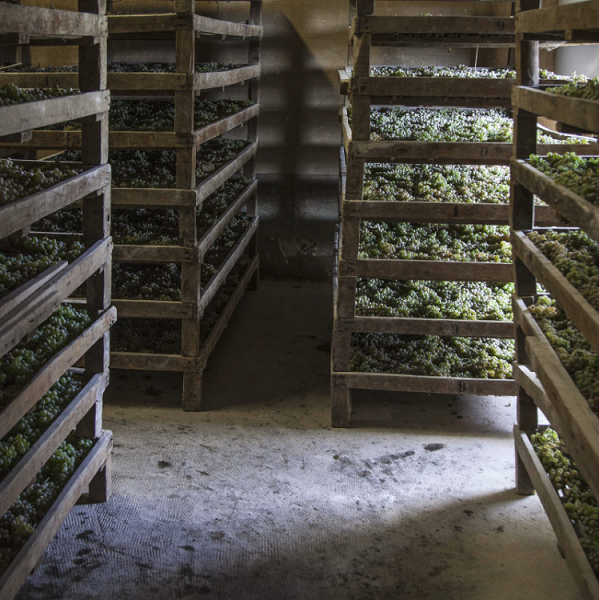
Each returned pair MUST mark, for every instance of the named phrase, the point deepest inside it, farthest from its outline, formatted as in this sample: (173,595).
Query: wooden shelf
(31,554)
(569,543)
(576,210)
(19,214)
(42,113)
(578,309)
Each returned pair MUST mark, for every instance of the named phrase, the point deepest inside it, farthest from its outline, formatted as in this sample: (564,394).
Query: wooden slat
(430,385)
(585,579)
(376,24)
(148,23)
(153,309)
(219,177)
(225,124)
(152,198)
(165,82)
(40,305)
(42,113)
(575,209)
(19,214)
(225,316)
(152,254)
(442,40)
(428,270)
(219,79)
(52,370)
(23,292)
(40,80)
(577,112)
(578,309)
(232,210)
(152,362)
(529,381)
(23,473)
(203,24)
(31,553)
(227,265)
(559,18)
(417,326)
(32,20)
(443,212)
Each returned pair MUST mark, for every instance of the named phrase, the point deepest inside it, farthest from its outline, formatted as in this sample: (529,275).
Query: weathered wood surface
(226,124)
(227,265)
(424,384)
(577,112)
(19,295)
(21,213)
(576,210)
(219,177)
(152,198)
(574,554)
(153,309)
(153,254)
(23,473)
(206,81)
(31,553)
(32,20)
(578,425)
(40,80)
(442,40)
(227,216)
(443,212)
(559,18)
(42,113)
(375,24)
(427,270)
(40,305)
(224,318)
(578,309)
(214,26)
(417,326)
(52,370)
(152,362)
(528,380)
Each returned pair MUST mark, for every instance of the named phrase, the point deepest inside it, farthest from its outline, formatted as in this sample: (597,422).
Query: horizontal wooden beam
(386,24)
(152,362)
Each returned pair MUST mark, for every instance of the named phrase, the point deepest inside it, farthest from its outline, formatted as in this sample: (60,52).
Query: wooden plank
(224,318)
(23,473)
(164,82)
(559,18)
(153,254)
(152,362)
(233,209)
(441,40)
(149,23)
(581,570)
(525,320)
(579,426)
(443,212)
(430,385)
(203,24)
(572,207)
(52,370)
(577,112)
(152,198)
(417,326)
(219,79)
(225,124)
(21,213)
(153,309)
(427,270)
(227,265)
(578,309)
(31,553)
(38,307)
(33,20)
(528,380)
(378,24)
(42,113)
(40,80)
(220,176)
(19,295)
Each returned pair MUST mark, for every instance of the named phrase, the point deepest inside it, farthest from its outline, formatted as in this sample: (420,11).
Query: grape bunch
(589,91)
(434,299)
(20,364)
(21,68)
(17,181)
(459,72)
(573,350)
(163,336)
(30,428)
(575,255)
(448,125)
(126,67)
(407,241)
(577,173)
(10,94)
(437,183)
(18,524)
(22,259)
(430,355)
(576,496)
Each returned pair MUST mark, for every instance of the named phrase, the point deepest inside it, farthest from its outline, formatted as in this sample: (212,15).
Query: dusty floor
(257,498)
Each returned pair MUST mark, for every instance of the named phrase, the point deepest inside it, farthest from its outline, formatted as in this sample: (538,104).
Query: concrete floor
(257,498)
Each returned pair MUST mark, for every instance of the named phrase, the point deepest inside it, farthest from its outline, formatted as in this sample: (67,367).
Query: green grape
(10,94)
